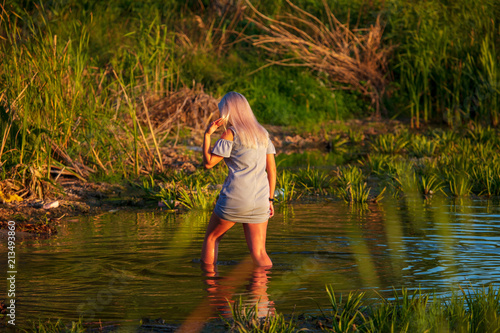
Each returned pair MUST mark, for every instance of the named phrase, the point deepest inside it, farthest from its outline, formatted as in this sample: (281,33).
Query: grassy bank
(467,310)
(405,164)
(103,92)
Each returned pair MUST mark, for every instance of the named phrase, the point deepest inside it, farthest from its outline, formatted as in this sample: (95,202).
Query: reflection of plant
(246,319)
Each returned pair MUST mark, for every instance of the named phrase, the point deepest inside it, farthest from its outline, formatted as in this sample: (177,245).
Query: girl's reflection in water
(223,289)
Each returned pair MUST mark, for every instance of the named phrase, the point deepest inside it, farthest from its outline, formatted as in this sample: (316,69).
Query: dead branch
(355,58)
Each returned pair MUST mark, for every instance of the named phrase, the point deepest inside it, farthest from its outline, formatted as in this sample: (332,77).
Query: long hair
(234,108)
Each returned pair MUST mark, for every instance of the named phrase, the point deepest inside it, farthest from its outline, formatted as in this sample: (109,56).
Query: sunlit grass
(390,143)
(285,191)
(313,181)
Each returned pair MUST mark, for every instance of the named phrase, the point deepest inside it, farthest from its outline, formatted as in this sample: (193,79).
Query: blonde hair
(234,108)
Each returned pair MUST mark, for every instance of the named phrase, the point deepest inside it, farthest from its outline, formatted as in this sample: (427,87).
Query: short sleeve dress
(244,197)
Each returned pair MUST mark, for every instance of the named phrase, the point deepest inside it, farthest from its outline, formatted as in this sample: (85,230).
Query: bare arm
(271,177)
(209,159)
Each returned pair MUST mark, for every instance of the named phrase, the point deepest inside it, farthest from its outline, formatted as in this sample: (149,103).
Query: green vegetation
(468,310)
(456,166)
(100,91)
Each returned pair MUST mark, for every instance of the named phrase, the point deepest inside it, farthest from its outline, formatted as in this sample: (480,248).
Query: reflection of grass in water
(361,253)
(247,319)
(394,233)
(468,310)
(190,228)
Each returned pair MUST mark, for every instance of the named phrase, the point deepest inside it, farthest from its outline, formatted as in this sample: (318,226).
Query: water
(123,266)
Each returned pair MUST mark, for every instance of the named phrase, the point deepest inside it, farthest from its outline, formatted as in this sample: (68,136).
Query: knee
(213,238)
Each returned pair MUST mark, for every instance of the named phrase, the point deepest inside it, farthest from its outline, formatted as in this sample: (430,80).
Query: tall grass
(447,71)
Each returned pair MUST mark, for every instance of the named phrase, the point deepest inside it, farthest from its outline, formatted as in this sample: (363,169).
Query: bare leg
(255,234)
(217,227)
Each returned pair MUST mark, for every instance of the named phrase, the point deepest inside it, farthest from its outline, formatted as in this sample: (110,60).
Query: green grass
(72,91)
(464,310)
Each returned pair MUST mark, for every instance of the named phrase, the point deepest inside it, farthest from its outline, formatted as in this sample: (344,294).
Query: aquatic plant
(165,193)
(378,163)
(354,193)
(344,314)
(486,178)
(483,134)
(246,319)
(57,326)
(355,136)
(198,197)
(313,180)
(349,175)
(389,143)
(336,143)
(421,146)
(285,191)
(459,183)
(430,184)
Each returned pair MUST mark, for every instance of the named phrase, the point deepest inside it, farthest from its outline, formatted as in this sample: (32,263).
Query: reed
(437,62)
(356,58)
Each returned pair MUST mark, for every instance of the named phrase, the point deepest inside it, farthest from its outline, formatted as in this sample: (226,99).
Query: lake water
(123,266)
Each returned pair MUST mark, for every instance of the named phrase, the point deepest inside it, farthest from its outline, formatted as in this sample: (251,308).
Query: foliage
(246,320)
(285,181)
(313,181)
(390,143)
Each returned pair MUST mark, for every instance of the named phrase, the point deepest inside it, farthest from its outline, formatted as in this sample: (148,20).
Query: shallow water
(124,266)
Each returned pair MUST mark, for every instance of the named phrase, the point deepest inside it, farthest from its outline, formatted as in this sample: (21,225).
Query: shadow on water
(121,267)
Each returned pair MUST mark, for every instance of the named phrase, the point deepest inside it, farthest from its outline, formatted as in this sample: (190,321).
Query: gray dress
(244,197)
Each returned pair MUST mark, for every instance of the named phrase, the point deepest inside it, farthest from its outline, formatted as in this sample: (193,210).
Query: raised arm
(209,159)
(271,177)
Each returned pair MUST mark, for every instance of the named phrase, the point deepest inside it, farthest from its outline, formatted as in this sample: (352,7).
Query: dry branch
(355,58)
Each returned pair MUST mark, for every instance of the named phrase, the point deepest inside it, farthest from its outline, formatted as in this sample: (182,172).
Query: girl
(248,192)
